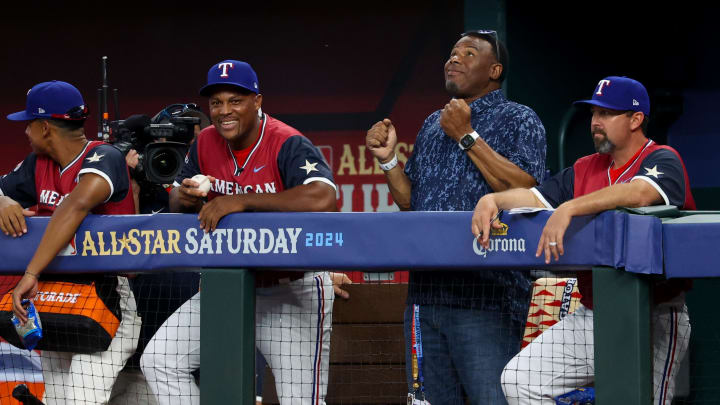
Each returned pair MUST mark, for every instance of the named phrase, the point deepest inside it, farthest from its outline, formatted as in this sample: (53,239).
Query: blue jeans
(464,352)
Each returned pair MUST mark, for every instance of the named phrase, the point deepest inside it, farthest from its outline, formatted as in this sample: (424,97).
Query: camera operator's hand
(132,159)
(12,217)
(214,210)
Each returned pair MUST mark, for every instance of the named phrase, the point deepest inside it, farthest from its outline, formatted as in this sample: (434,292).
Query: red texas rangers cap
(233,73)
(55,99)
(620,93)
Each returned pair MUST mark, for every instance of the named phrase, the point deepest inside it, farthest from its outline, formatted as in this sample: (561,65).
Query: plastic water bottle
(31,332)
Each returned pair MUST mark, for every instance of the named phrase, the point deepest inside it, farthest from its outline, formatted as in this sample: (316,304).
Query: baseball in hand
(202,181)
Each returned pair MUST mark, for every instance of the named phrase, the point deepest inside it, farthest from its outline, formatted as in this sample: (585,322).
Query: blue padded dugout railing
(381,242)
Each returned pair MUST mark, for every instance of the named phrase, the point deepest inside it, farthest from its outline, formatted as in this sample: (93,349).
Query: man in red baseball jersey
(629,170)
(255,163)
(68,177)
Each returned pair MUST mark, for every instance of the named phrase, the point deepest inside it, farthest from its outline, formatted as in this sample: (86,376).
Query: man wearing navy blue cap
(629,170)
(254,163)
(68,177)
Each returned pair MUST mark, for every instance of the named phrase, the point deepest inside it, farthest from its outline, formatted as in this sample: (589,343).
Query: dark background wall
(329,71)
(560,52)
(333,71)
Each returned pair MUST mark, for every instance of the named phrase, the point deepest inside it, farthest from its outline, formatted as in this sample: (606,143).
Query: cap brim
(21,116)
(209,89)
(599,104)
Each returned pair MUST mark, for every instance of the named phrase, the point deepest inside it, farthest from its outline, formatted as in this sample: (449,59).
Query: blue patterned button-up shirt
(445,179)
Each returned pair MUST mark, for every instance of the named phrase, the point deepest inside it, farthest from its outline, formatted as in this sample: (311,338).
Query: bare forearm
(637,193)
(515,198)
(399,186)
(500,173)
(313,197)
(63,224)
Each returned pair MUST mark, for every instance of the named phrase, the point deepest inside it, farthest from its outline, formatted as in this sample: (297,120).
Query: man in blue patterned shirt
(471,323)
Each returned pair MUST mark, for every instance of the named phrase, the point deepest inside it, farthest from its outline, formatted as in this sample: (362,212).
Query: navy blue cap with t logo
(231,73)
(620,93)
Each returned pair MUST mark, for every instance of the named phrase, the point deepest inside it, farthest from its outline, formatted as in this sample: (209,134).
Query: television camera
(161,142)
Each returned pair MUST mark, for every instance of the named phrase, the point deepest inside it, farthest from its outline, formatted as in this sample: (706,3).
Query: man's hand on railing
(339,279)
(485,216)
(551,239)
(12,217)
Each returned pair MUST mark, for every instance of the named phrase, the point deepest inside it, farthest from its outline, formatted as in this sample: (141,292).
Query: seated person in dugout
(69,177)
(629,170)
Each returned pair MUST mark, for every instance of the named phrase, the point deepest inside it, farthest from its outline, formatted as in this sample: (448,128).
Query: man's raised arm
(381,140)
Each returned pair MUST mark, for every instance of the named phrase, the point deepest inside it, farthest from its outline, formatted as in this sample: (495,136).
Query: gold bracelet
(32,274)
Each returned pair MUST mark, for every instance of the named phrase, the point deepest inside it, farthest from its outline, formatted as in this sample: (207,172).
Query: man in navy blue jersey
(471,322)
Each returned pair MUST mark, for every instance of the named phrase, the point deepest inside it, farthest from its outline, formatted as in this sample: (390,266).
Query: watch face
(467,141)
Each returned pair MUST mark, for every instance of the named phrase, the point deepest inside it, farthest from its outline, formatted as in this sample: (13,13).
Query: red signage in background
(360,181)
(361,185)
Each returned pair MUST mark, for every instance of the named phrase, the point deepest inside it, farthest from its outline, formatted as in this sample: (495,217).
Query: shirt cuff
(656,186)
(322,179)
(540,197)
(104,176)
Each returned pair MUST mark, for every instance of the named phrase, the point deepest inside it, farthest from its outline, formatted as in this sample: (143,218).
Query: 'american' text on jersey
(228,187)
(52,198)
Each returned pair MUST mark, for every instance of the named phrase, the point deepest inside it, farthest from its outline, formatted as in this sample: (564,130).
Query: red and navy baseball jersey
(38,180)
(659,165)
(281,158)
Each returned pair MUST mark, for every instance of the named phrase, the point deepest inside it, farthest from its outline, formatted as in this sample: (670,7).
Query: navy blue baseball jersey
(39,180)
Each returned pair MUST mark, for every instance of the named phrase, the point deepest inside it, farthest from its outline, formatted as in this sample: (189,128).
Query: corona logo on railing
(502,231)
(499,244)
